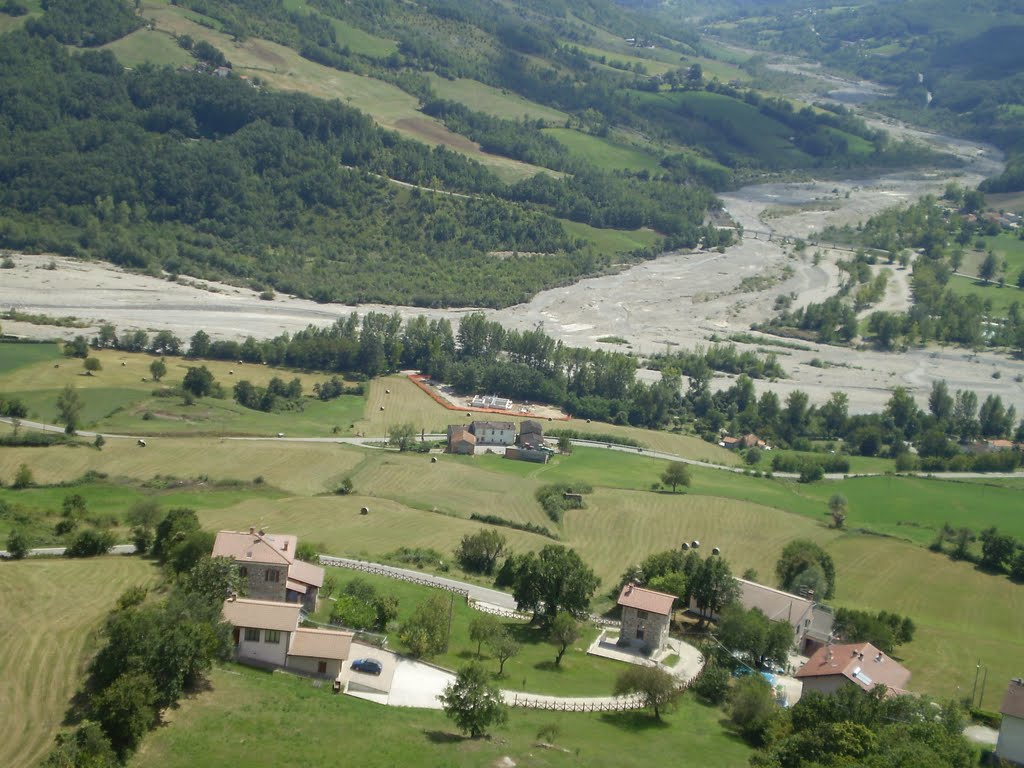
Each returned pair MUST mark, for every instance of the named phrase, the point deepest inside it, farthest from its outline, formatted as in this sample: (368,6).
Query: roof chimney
(251,530)
(262,532)
(861,655)
(878,658)
(854,653)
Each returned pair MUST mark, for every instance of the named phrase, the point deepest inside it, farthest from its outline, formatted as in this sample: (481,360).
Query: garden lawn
(1000,297)
(51,610)
(250,716)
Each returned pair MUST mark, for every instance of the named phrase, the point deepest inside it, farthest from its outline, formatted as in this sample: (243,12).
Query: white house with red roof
(267,633)
(862,664)
(646,615)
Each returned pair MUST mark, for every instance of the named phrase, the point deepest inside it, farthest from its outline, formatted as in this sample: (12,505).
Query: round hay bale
(382,407)
(387,391)
(685,546)
(364,510)
(716,551)
(433,459)
(695,544)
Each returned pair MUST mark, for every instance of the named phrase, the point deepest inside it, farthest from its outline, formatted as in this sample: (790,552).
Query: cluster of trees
(706,581)
(548,583)
(85,22)
(884,630)
(1000,552)
(361,606)
(724,358)
(849,727)
(805,564)
(276,396)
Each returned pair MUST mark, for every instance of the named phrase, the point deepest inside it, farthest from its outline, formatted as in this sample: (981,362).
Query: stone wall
(654,626)
(261,583)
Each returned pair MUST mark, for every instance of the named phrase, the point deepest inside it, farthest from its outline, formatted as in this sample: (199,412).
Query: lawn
(605,154)
(51,610)
(251,716)
(355,39)
(1000,297)
(494,101)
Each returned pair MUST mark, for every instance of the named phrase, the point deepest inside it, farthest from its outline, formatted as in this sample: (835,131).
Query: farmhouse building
(811,623)
(835,666)
(269,568)
(645,616)
(493,432)
(1011,732)
(266,633)
(461,440)
(531,435)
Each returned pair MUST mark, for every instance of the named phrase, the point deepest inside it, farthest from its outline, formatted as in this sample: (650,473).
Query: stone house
(493,432)
(461,440)
(269,568)
(1011,732)
(267,633)
(646,615)
(531,435)
(862,664)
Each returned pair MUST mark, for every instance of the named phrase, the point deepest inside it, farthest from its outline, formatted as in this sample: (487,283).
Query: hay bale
(364,510)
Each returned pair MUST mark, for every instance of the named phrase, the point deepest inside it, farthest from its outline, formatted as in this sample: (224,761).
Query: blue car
(368,666)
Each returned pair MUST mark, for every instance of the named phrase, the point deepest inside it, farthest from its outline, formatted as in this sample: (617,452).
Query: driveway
(402,683)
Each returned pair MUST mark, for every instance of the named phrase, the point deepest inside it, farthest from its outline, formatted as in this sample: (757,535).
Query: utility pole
(974,690)
(984,679)
(451,610)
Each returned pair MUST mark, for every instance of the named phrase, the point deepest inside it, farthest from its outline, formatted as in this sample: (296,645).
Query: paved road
(117,549)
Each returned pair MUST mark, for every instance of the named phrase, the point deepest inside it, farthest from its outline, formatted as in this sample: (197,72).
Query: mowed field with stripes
(51,612)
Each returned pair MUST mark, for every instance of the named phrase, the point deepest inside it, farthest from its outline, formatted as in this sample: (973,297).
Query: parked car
(368,666)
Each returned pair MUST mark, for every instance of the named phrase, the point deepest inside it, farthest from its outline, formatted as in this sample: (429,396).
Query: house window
(640,632)
(269,575)
(243,572)
(272,636)
(321,667)
(252,635)
(641,614)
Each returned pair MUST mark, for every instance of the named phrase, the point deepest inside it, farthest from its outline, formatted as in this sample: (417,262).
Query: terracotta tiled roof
(648,600)
(307,573)
(860,663)
(1013,702)
(320,644)
(296,586)
(254,547)
(261,614)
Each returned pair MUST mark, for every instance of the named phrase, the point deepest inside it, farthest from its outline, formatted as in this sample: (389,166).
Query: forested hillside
(215,169)
(954,66)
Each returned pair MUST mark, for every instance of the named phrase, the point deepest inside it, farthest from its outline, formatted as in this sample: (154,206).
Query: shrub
(90,543)
(713,683)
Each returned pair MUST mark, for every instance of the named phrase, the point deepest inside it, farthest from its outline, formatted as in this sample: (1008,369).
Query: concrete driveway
(402,683)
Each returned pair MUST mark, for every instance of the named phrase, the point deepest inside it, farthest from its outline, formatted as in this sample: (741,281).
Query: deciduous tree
(564,631)
(425,633)
(473,703)
(655,686)
(676,474)
(69,408)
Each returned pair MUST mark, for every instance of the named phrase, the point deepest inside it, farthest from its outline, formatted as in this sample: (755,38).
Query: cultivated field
(51,610)
(250,716)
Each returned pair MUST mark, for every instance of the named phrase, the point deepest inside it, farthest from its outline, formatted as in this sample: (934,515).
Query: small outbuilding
(646,615)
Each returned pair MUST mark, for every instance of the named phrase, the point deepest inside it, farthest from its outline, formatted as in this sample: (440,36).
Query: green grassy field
(51,610)
(147,45)
(15,356)
(7,23)
(1000,297)
(494,101)
(604,153)
(246,713)
(612,241)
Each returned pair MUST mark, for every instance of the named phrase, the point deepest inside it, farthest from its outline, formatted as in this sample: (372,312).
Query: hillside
(549,124)
(952,67)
